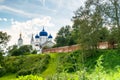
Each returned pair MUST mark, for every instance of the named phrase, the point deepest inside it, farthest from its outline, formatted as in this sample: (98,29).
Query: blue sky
(29,16)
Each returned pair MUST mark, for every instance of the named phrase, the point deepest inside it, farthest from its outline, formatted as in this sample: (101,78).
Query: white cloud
(0,19)
(27,28)
(3,19)
(68,4)
(21,12)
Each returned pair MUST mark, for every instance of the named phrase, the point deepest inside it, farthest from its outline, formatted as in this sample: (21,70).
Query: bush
(33,65)
(27,64)
(99,73)
(12,64)
(70,62)
(34,52)
(23,72)
(2,71)
(30,77)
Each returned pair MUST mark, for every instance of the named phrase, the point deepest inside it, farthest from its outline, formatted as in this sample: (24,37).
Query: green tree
(23,50)
(111,11)
(4,38)
(11,49)
(64,37)
(104,34)
(89,28)
(112,39)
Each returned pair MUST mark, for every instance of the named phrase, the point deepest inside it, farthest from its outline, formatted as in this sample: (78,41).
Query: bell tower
(20,40)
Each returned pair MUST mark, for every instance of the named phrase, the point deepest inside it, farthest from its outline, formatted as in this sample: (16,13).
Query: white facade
(20,41)
(43,39)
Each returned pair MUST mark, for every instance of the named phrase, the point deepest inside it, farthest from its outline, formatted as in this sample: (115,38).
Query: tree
(112,39)
(104,34)
(111,10)
(4,38)
(64,37)
(89,24)
(89,27)
(23,50)
(12,49)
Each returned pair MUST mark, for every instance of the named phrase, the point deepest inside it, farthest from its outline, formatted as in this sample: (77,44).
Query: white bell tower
(20,41)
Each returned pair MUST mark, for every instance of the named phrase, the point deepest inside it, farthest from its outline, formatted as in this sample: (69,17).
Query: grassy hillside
(103,64)
(53,64)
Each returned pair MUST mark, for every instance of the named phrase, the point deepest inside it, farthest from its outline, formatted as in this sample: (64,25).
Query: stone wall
(62,49)
(101,45)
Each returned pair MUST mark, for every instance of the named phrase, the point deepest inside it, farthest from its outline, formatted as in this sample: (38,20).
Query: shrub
(34,52)
(29,77)
(33,65)
(70,62)
(2,71)
(23,72)
(12,64)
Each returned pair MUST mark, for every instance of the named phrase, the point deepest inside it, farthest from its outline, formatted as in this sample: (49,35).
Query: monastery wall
(62,49)
(101,45)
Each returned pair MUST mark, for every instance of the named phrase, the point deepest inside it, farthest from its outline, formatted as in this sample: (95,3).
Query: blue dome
(37,36)
(43,33)
(50,36)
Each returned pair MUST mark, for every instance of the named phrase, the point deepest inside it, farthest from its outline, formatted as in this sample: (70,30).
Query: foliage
(70,62)
(64,37)
(40,64)
(111,10)
(111,13)
(89,25)
(12,49)
(104,65)
(99,73)
(98,21)
(4,38)
(23,50)
(112,39)
(1,57)
(25,65)
(2,71)
(34,52)
(30,77)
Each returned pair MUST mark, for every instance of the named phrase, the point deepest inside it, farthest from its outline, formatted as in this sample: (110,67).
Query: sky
(29,16)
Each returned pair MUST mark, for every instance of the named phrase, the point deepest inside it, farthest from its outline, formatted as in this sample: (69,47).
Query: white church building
(39,41)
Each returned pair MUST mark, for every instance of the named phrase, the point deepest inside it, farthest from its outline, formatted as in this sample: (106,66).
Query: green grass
(8,77)
(51,69)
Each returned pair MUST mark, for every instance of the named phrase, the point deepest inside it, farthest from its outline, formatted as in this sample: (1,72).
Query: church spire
(43,29)
(20,40)
(32,40)
(20,35)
